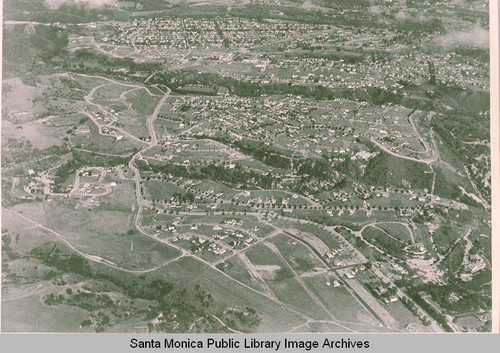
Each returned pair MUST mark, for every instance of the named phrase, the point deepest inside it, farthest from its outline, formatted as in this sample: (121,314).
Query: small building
(83,130)
(350,275)
(390,299)
(380,290)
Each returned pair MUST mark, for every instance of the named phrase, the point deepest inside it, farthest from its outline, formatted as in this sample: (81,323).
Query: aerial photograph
(245,166)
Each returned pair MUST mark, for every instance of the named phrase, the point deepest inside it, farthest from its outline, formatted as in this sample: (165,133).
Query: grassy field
(239,271)
(142,103)
(297,254)
(444,237)
(40,135)
(339,301)
(133,123)
(326,237)
(388,170)
(366,250)
(383,242)
(109,92)
(282,282)
(28,314)
(403,316)
(188,272)
(160,190)
(165,128)
(319,327)
(28,280)
(109,234)
(122,197)
(104,144)
(398,231)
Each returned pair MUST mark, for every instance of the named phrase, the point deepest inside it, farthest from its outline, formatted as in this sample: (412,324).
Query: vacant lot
(297,254)
(384,242)
(397,230)
(109,234)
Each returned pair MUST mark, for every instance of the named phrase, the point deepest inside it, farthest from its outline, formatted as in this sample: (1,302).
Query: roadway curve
(141,202)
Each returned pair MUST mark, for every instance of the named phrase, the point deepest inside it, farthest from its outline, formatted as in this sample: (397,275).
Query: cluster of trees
(83,57)
(383,242)
(242,319)
(167,168)
(263,153)
(52,299)
(415,311)
(453,260)
(90,301)
(7,252)
(51,255)
(179,307)
(51,41)
(420,27)
(463,126)
(414,294)
(187,197)
(48,41)
(101,320)
(444,237)
(310,16)
(237,175)
(25,46)
(387,170)
(456,296)
(343,4)
(317,168)
(472,296)
(243,88)
(198,90)
(475,53)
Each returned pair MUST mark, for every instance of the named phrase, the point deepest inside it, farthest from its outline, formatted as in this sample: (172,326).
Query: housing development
(246,166)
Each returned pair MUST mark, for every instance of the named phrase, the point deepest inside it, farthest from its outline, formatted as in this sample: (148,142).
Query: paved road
(370,300)
(425,161)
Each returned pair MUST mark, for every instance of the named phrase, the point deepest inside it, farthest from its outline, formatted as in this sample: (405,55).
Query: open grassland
(160,190)
(386,169)
(41,135)
(342,304)
(282,281)
(300,258)
(29,314)
(122,197)
(109,92)
(396,230)
(141,102)
(384,242)
(323,238)
(106,233)
(238,270)
(189,272)
(95,142)
(133,123)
